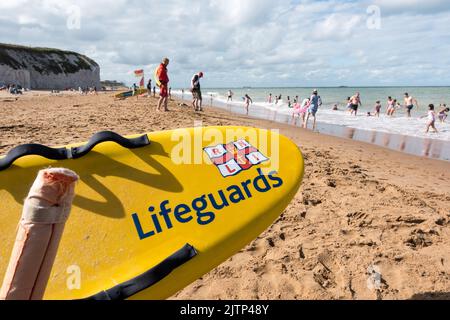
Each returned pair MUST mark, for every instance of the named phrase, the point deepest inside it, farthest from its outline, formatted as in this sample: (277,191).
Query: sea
(398,133)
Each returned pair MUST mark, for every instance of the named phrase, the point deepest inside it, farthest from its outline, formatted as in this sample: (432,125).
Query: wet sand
(419,146)
(361,207)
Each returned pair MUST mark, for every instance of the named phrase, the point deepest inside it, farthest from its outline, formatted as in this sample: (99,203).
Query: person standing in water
(301,109)
(355,103)
(162,77)
(349,104)
(409,103)
(443,113)
(315,103)
(197,92)
(269,100)
(431,119)
(390,107)
(230,96)
(247,101)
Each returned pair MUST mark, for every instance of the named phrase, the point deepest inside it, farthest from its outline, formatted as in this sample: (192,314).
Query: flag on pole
(140,74)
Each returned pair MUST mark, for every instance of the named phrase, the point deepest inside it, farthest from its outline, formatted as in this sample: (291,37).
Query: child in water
(349,104)
(443,114)
(431,119)
(247,101)
(301,109)
(396,105)
(377,110)
(390,106)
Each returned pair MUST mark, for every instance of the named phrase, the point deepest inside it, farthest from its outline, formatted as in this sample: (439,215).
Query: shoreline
(360,205)
(418,146)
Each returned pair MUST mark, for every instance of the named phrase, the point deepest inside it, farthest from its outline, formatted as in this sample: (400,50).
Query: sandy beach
(362,210)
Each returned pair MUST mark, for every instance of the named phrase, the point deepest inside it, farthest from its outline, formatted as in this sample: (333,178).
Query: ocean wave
(399,124)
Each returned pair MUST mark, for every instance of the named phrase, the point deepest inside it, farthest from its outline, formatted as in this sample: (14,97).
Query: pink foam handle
(44,215)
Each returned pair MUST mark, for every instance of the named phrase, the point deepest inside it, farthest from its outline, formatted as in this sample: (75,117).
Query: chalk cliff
(47,69)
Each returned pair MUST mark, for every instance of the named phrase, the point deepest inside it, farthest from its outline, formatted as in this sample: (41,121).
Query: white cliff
(47,69)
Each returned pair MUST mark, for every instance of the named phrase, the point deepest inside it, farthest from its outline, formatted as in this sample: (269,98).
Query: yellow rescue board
(130,93)
(134,208)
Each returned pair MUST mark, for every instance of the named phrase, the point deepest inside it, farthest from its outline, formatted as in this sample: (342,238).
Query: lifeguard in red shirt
(162,81)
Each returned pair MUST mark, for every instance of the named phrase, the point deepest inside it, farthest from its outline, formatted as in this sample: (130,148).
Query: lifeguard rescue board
(155,212)
(131,93)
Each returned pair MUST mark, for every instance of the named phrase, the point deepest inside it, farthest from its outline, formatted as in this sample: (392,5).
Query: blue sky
(247,42)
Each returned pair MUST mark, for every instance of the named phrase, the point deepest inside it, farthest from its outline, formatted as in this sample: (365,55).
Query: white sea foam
(397,125)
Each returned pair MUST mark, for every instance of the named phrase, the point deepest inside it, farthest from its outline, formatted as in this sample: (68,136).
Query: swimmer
(431,119)
(315,103)
(349,104)
(301,109)
(377,109)
(230,96)
(355,103)
(390,107)
(443,114)
(409,104)
(248,101)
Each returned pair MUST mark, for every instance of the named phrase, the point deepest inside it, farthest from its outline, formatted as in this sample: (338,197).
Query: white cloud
(251,42)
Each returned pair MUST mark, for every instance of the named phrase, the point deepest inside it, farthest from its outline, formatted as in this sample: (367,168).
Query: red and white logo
(234,157)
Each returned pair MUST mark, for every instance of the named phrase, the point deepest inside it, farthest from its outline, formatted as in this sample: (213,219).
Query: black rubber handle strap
(32,149)
(107,136)
(130,288)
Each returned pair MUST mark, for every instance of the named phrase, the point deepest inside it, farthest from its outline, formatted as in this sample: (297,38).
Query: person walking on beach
(315,103)
(197,92)
(247,101)
(230,96)
(163,78)
(149,88)
(431,119)
(154,92)
(409,103)
(355,103)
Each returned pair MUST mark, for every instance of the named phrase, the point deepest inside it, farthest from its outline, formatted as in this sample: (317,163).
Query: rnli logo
(234,157)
